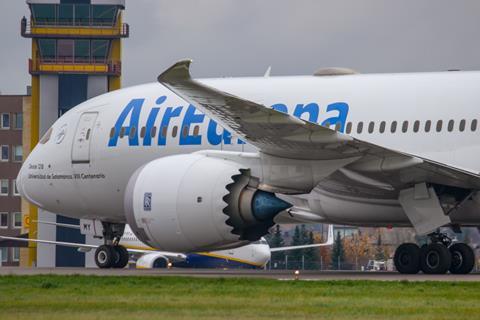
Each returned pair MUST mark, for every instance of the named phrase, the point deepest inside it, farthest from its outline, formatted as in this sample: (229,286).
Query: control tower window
(65,49)
(104,14)
(65,14)
(44,13)
(99,50)
(82,14)
(48,48)
(82,50)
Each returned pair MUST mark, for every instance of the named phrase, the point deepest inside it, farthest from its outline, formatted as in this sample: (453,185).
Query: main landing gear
(111,254)
(438,257)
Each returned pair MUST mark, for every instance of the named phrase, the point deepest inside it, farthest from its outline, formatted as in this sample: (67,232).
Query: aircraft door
(83,135)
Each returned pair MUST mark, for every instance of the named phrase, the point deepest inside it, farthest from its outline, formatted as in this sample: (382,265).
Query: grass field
(90,297)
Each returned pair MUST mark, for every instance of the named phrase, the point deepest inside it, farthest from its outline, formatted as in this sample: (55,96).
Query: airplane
(211,164)
(251,256)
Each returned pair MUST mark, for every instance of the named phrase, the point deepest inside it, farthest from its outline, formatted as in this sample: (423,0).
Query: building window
(18,120)
(5,153)
(4,254)
(14,188)
(4,187)
(16,254)
(17,220)
(17,153)
(5,121)
(4,220)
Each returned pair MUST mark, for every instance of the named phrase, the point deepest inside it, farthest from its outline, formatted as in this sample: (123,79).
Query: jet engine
(193,202)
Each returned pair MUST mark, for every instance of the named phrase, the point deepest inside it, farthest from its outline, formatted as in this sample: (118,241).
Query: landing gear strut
(111,254)
(438,257)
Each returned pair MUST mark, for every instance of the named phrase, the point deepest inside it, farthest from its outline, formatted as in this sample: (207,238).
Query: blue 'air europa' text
(128,123)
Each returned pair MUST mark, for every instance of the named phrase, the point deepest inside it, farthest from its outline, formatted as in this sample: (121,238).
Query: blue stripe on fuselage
(196,260)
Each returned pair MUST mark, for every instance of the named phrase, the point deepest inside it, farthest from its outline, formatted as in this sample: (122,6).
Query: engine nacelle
(152,260)
(193,202)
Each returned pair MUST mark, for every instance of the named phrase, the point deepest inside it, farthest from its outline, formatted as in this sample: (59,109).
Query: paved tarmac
(214,273)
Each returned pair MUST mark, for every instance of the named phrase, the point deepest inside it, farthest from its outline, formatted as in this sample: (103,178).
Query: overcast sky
(244,37)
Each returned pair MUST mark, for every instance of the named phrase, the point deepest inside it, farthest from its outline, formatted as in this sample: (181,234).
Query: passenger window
(473,126)
(153,131)
(428,125)
(142,132)
(382,126)
(439,125)
(196,131)
(416,126)
(164,132)
(185,131)
(88,134)
(393,127)
(462,125)
(112,132)
(405,126)
(132,132)
(359,127)
(451,123)
(174,131)
(371,127)
(122,132)
(349,128)
(338,126)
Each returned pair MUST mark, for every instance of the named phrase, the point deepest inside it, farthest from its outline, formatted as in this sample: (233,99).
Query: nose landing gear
(438,257)
(111,254)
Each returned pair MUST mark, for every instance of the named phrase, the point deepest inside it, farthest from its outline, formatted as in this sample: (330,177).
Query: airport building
(11,156)
(76,55)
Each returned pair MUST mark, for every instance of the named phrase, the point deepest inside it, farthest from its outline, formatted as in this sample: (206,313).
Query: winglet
(179,71)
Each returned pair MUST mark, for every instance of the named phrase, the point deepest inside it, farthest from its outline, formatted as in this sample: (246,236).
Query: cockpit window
(46,136)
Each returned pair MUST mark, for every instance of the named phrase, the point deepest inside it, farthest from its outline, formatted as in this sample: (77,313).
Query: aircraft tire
(121,260)
(463,258)
(105,256)
(407,258)
(435,258)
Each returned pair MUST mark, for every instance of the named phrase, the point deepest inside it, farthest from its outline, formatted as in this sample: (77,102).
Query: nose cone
(24,181)
(266,205)
(20,179)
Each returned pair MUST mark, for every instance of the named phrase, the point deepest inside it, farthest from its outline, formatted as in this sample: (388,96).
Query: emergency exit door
(83,136)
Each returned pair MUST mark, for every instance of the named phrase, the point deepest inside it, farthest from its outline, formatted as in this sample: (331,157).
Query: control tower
(76,55)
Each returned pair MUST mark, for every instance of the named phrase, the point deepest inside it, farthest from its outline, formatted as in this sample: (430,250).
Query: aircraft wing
(329,242)
(88,247)
(283,135)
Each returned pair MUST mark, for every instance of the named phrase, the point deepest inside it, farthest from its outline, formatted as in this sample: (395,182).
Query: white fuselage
(251,255)
(83,169)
